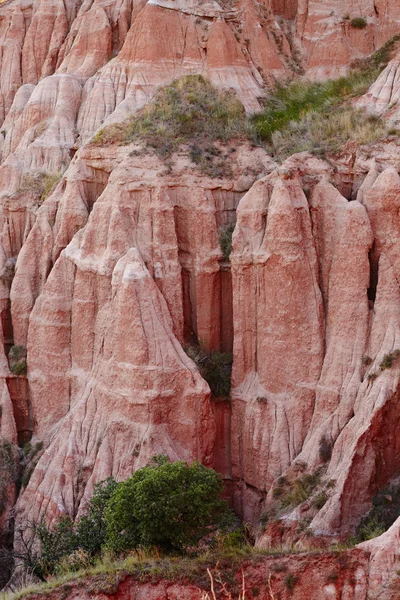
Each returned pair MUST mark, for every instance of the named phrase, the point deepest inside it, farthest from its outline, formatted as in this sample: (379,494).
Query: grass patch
(214,367)
(189,111)
(316,116)
(325,132)
(384,512)
(40,184)
(292,493)
(149,566)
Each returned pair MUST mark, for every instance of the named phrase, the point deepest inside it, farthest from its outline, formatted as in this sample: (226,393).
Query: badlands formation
(111,273)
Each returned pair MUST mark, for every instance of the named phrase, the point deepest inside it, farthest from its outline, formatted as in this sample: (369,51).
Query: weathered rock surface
(118,266)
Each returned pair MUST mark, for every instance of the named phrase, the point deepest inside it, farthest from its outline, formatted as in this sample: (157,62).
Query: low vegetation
(40,184)
(214,367)
(388,359)
(358,23)
(325,448)
(384,512)
(317,117)
(148,565)
(225,240)
(191,112)
(168,506)
(8,470)
(292,493)
(17,360)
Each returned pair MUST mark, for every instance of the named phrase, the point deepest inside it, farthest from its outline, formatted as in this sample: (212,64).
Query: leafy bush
(91,528)
(62,545)
(168,505)
(17,360)
(358,23)
(214,367)
(225,240)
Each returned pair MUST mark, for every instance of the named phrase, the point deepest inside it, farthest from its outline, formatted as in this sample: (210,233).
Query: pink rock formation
(118,264)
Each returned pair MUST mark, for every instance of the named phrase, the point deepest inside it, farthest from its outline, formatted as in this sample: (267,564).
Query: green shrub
(55,543)
(358,23)
(91,528)
(214,367)
(225,240)
(64,546)
(168,505)
(17,360)
(326,132)
(314,117)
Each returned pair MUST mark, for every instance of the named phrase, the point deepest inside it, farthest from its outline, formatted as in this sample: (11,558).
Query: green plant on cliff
(17,360)
(388,359)
(188,111)
(384,512)
(215,368)
(168,505)
(317,116)
(225,240)
(41,184)
(358,23)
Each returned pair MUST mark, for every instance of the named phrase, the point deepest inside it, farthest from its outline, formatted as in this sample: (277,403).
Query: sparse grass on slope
(147,566)
(302,116)
(188,111)
(318,116)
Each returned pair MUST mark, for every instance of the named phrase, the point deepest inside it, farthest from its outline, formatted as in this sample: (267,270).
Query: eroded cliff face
(110,264)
